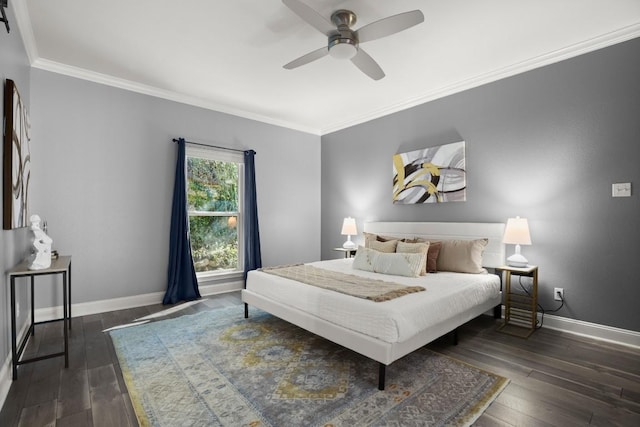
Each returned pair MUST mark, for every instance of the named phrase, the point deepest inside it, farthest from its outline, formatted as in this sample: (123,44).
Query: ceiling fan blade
(367,65)
(390,25)
(310,16)
(309,57)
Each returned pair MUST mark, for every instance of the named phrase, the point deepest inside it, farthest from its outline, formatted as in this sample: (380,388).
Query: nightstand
(520,307)
(348,253)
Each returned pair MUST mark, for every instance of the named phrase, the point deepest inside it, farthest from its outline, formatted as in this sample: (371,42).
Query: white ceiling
(228,55)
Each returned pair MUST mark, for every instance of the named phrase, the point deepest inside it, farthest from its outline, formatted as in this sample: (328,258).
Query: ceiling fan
(343,42)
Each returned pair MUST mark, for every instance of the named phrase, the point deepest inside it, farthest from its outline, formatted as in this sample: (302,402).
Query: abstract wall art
(430,175)
(17,160)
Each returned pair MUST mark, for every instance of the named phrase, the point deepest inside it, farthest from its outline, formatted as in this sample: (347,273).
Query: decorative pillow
(368,238)
(462,256)
(388,246)
(414,240)
(398,264)
(422,248)
(364,259)
(371,237)
(432,256)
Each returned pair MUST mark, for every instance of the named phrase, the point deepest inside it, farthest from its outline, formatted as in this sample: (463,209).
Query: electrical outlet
(558,294)
(621,189)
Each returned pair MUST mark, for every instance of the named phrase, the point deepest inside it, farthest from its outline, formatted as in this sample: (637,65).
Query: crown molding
(24,25)
(605,40)
(83,74)
(25,29)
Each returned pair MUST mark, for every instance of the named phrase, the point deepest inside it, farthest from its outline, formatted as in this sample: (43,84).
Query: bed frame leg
(381,374)
(497,311)
(246,310)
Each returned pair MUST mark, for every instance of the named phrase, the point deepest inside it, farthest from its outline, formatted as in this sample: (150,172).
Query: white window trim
(213,153)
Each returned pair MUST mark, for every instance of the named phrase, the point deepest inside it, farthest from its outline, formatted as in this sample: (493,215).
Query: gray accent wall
(546,145)
(14,65)
(103,171)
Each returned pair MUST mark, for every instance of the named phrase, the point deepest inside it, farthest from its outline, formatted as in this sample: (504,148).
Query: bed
(387,331)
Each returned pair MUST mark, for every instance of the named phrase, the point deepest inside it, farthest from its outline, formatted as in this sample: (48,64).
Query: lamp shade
(517,232)
(349,227)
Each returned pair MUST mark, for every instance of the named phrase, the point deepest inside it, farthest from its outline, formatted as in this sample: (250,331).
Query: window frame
(231,156)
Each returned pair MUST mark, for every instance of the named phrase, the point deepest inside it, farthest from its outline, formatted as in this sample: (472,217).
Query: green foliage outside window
(212,197)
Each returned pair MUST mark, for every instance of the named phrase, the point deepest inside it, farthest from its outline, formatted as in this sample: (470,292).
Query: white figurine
(40,257)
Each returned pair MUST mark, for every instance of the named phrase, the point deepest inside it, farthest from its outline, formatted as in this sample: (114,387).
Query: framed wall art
(17,160)
(430,175)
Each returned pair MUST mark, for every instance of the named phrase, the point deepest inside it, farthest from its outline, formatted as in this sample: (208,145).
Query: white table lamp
(517,233)
(349,229)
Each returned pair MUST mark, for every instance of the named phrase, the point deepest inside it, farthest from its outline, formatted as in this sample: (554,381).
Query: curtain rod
(211,146)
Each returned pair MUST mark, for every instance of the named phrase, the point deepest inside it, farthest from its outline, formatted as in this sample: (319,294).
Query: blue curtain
(252,257)
(183,284)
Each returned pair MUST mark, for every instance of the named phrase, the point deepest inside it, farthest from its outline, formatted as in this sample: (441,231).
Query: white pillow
(364,259)
(398,264)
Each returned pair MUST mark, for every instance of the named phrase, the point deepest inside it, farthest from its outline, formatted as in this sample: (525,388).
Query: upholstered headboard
(494,253)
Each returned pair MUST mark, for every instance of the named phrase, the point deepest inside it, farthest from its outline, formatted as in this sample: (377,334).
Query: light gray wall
(14,65)
(545,145)
(103,168)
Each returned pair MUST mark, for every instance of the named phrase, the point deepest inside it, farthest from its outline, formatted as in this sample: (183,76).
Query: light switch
(621,189)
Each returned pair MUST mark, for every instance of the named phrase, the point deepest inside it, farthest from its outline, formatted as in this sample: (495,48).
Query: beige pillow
(371,237)
(432,255)
(398,264)
(388,246)
(368,238)
(423,248)
(462,256)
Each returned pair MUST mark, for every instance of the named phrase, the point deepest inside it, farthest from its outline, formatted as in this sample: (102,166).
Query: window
(214,195)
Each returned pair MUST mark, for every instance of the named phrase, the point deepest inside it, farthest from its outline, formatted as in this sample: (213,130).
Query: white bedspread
(447,295)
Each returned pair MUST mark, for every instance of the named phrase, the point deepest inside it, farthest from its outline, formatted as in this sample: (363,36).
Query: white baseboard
(103,306)
(593,330)
(564,324)
(587,329)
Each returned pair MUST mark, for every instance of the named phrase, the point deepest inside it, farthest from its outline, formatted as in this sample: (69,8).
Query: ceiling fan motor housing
(344,43)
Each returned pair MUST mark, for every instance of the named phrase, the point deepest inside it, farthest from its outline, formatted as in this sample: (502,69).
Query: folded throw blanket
(361,287)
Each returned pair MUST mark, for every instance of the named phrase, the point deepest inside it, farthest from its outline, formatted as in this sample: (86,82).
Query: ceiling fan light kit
(342,48)
(343,42)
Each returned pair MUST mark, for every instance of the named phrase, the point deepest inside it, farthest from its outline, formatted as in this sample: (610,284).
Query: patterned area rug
(216,368)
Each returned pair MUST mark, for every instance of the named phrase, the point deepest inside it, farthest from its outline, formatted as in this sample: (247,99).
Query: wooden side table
(61,265)
(348,253)
(520,308)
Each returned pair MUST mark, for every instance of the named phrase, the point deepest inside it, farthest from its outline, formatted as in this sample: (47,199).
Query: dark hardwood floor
(556,378)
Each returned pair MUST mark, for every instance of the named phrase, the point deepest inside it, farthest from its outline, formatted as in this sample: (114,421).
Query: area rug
(215,368)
